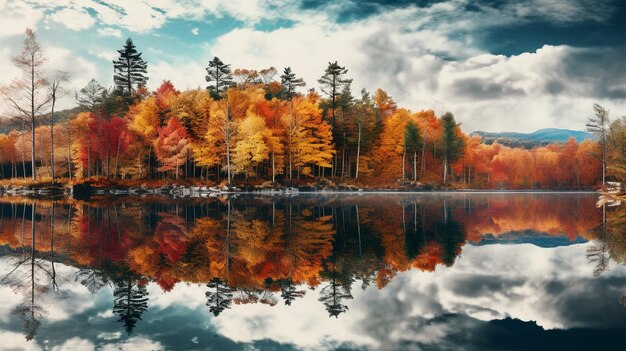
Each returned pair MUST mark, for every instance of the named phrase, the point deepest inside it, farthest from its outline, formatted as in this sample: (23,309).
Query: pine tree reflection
(263,250)
(130,300)
(220,298)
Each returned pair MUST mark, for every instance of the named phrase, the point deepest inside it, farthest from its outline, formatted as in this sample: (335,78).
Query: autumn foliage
(253,132)
(249,243)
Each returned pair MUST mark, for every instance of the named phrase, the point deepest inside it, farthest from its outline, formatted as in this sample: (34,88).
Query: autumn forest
(255,126)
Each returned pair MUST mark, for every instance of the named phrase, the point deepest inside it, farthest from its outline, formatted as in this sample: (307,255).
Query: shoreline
(86,190)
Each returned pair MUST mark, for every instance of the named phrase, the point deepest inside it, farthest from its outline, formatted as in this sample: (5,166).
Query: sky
(497,65)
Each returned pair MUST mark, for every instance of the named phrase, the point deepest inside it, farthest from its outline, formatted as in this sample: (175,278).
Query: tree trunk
(117,156)
(445,170)
(88,158)
(290,161)
(273,169)
(69,150)
(343,156)
(424,158)
(32,116)
(52,136)
(403,161)
(228,144)
(358,153)
(415,166)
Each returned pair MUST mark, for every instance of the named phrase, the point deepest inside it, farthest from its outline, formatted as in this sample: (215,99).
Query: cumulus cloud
(109,32)
(425,56)
(75,344)
(16,341)
(81,70)
(74,19)
(425,63)
(183,74)
(16,16)
(107,56)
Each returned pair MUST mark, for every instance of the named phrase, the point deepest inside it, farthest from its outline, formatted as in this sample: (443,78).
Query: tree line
(259,125)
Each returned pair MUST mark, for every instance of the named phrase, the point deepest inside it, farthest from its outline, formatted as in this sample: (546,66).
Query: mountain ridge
(539,137)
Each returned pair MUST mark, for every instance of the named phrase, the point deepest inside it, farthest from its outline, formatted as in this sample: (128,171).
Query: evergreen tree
(452,143)
(130,302)
(339,287)
(332,296)
(412,143)
(220,74)
(130,70)
(333,82)
(92,279)
(91,96)
(290,82)
(221,299)
(288,291)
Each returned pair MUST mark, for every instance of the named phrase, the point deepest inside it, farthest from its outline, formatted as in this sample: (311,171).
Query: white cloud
(110,336)
(74,19)
(135,343)
(425,57)
(16,16)
(183,74)
(422,66)
(81,70)
(75,344)
(105,55)
(16,341)
(109,32)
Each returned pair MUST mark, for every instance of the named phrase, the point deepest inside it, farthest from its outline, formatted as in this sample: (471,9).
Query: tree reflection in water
(609,240)
(265,249)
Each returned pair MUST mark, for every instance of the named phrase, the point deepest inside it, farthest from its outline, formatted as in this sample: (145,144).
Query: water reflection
(270,251)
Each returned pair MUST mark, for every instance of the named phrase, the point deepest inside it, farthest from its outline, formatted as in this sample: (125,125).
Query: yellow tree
(384,103)
(192,107)
(390,153)
(252,145)
(308,139)
(216,147)
(8,153)
(144,122)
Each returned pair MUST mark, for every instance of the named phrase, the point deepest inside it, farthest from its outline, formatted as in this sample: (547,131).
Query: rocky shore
(86,189)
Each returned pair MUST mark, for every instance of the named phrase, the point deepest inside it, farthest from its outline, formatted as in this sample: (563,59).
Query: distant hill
(7,124)
(528,237)
(537,138)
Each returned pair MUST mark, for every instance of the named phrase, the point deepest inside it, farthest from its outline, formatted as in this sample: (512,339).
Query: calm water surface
(311,272)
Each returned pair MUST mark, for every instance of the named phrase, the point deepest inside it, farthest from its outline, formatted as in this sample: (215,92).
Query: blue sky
(496,64)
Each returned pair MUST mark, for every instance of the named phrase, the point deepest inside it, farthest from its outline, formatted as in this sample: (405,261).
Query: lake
(433,271)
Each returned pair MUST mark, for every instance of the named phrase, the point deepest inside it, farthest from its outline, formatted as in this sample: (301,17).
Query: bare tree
(28,95)
(599,125)
(56,91)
